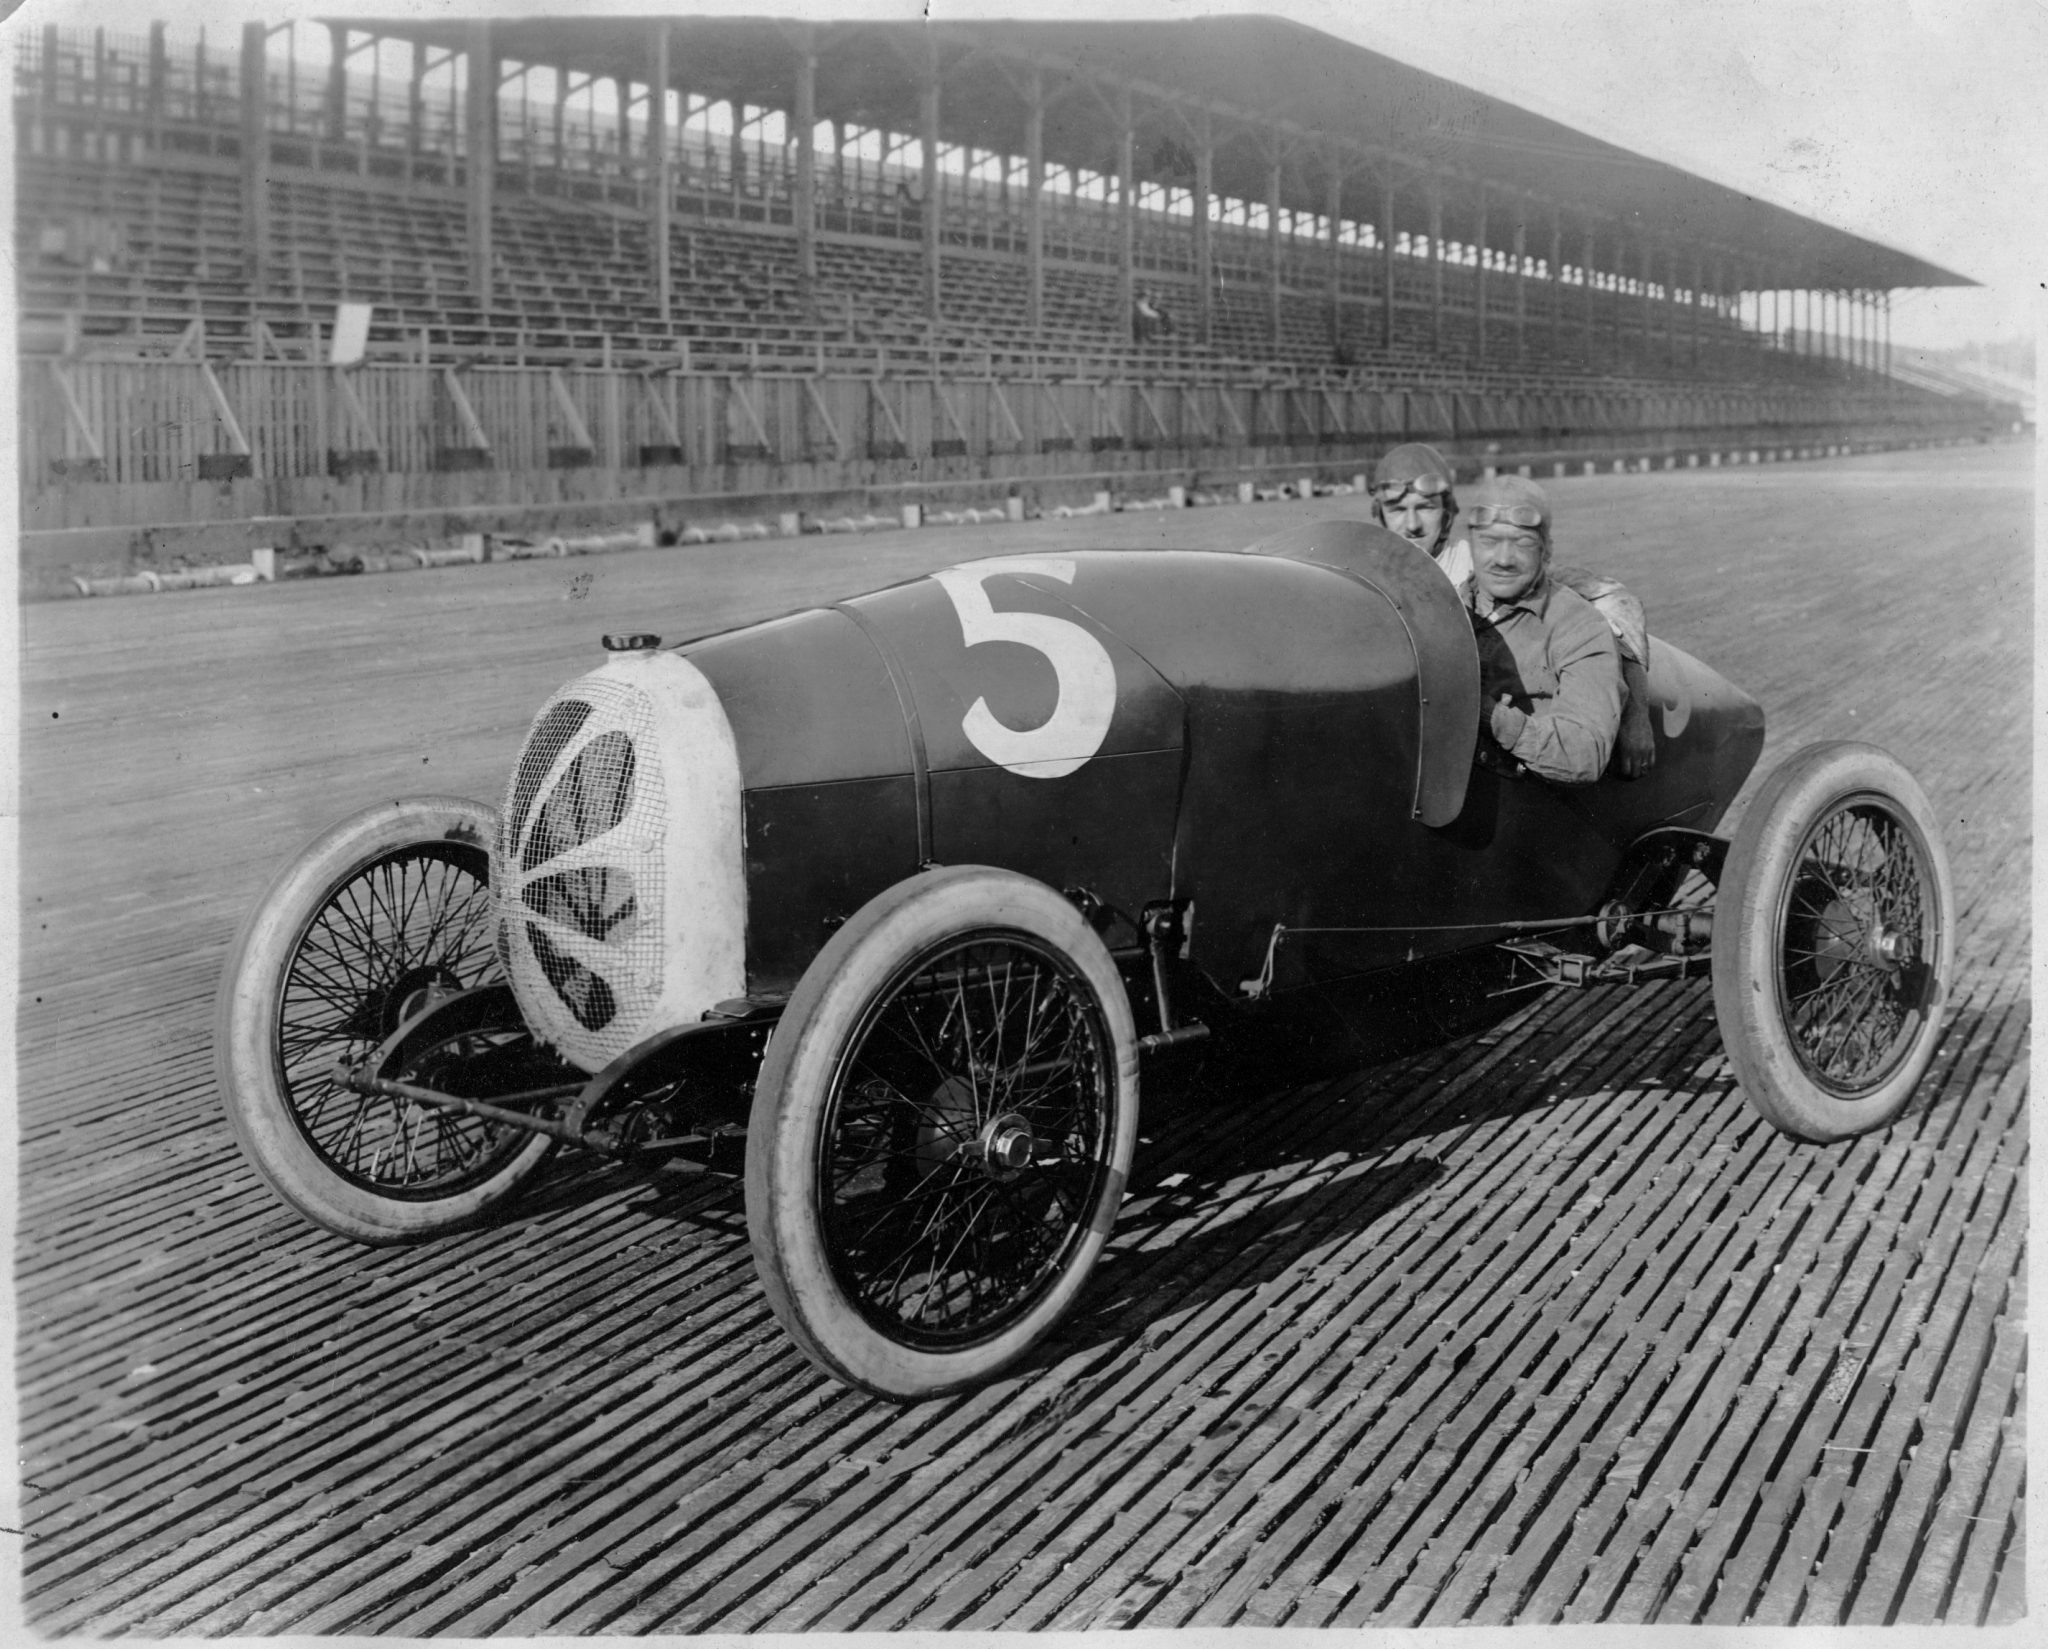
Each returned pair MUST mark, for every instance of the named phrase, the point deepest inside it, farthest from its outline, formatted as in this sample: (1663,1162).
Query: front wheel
(1833,942)
(373,920)
(941,1132)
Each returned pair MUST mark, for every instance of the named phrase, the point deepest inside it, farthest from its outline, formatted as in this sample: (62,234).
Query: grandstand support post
(480,105)
(1387,257)
(52,70)
(1436,267)
(1521,285)
(255,154)
(1034,203)
(1555,269)
(1645,266)
(1887,316)
(1617,317)
(1719,285)
(1273,249)
(805,204)
(1692,319)
(416,110)
(660,177)
(1333,212)
(561,134)
(1126,214)
(337,83)
(1586,250)
(1205,238)
(1479,273)
(1671,306)
(934,206)
(159,74)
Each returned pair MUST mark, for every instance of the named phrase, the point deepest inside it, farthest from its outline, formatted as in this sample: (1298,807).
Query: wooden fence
(150,421)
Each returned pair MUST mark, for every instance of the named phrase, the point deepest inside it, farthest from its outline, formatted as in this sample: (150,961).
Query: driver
(1549,686)
(1413,496)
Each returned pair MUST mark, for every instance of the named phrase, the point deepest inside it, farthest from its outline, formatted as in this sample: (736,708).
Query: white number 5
(1087,676)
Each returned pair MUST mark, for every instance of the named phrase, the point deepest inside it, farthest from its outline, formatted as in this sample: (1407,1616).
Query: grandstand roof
(1260,79)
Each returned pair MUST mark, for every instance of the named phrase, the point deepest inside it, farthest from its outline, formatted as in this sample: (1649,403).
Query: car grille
(579,870)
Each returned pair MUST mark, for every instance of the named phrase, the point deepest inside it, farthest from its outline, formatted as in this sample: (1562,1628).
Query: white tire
(390,901)
(941,1133)
(1834,942)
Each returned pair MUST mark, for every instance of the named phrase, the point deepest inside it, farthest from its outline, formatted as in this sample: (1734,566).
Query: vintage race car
(924,876)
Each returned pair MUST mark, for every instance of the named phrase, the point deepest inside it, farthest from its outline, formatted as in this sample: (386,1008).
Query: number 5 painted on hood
(1086,674)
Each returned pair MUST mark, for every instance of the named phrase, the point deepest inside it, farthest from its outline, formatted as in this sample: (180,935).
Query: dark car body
(1281,737)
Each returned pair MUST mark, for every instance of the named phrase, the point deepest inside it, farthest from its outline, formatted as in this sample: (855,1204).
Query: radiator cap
(637,642)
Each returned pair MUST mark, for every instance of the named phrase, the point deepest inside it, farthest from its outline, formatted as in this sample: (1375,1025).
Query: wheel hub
(1890,948)
(1003,1146)
(1006,1146)
(1842,934)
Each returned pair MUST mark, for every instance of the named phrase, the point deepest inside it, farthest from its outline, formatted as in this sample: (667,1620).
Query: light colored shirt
(1556,660)
(1613,601)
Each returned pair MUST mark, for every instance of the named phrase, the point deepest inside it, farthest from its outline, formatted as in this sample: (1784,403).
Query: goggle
(1428,487)
(1511,515)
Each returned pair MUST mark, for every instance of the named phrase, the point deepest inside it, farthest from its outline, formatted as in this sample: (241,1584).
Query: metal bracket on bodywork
(1163,933)
(1649,875)
(1668,849)
(740,1019)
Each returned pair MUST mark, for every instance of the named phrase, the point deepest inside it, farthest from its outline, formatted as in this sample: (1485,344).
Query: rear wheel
(1833,942)
(374,920)
(941,1132)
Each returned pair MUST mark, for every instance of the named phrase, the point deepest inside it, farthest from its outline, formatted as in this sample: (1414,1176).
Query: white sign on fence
(351,333)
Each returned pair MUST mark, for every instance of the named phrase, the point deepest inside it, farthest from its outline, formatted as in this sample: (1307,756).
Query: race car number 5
(1086,674)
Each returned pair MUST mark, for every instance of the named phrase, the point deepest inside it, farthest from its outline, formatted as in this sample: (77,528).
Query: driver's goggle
(1508,515)
(1396,492)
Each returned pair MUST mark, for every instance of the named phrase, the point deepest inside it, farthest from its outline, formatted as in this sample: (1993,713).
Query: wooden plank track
(1540,1326)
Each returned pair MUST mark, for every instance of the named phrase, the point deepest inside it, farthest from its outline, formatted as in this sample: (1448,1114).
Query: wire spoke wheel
(374,921)
(415,921)
(941,1131)
(963,1146)
(1854,979)
(1833,942)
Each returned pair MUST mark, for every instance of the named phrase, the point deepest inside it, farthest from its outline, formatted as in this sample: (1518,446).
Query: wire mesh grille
(580,870)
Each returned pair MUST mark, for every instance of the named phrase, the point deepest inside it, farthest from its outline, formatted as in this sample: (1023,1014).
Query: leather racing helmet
(1415,466)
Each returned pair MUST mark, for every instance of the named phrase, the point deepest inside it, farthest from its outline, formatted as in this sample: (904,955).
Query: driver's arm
(1635,744)
(1568,736)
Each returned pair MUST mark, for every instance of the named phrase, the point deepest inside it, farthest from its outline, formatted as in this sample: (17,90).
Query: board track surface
(1541,1326)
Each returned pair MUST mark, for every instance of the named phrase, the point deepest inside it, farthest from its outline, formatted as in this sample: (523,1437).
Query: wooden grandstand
(756,265)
